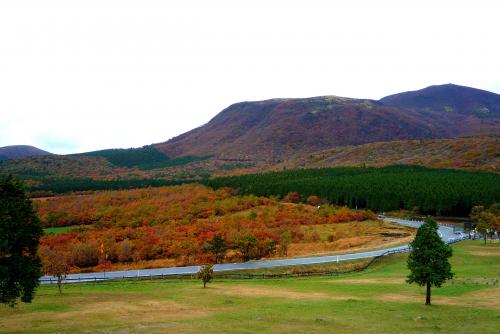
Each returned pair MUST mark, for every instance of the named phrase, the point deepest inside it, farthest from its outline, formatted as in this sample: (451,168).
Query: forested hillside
(111,169)
(145,158)
(178,226)
(60,186)
(432,191)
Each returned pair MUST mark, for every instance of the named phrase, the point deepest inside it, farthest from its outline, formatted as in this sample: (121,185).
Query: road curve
(445,232)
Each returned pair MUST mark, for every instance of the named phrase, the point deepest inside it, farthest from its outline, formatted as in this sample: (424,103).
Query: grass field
(374,301)
(57,230)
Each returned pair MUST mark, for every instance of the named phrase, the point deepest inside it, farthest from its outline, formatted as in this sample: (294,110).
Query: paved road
(445,232)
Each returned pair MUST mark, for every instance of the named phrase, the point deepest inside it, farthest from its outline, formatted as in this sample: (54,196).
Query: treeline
(431,191)
(146,157)
(181,161)
(130,157)
(60,186)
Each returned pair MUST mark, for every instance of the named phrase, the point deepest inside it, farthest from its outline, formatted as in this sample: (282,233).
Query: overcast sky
(85,75)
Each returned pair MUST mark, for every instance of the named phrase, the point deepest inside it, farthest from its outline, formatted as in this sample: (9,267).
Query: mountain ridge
(274,129)
(448,98)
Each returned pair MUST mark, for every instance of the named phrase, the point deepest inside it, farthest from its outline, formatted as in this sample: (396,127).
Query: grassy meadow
(57,230)
(374,301)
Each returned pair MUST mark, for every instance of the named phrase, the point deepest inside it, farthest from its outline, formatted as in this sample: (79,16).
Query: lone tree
(20,232)
(56,263)
(206,274)
(428,259)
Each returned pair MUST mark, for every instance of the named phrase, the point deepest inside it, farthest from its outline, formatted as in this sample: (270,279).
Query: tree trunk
(59,283)
(428,295)
(204,284)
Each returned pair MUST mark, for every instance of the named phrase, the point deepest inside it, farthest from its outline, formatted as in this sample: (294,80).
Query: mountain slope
(449,98)
(474,153)
(279,128)
(20,151)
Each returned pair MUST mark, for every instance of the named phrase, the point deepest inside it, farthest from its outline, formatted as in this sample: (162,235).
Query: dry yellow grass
(271,292)
(104,308)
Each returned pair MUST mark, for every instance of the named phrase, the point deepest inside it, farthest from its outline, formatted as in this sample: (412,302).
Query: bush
(85,254)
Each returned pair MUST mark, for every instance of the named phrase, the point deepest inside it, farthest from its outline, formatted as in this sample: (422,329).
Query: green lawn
(374,301)
(57,230)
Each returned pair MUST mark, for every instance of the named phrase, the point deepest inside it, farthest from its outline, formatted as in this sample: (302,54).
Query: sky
(78,76)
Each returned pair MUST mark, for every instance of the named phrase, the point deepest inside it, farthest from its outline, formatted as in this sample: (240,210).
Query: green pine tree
(20,232)
(218,247)
(428,259)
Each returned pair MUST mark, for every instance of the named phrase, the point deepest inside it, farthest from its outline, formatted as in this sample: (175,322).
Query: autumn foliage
(191,224)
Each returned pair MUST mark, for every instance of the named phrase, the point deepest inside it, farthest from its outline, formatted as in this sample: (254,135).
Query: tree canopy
(218,247)
(20,232)
(486,221)
(432,191)
(206,274)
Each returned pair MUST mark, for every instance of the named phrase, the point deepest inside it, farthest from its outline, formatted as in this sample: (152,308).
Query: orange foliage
(174,223)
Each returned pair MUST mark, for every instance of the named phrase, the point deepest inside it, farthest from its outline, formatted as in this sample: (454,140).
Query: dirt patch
(343,246)
(322,248)
(145,310)
(252,291)
(486,253)
(485,297)
(380,280)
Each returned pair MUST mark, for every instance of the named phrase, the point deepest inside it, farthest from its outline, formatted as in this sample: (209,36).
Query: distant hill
(474,153)
(131,163)
(280,128)
(129,157)
(450,99)
(145,158)
(20,151)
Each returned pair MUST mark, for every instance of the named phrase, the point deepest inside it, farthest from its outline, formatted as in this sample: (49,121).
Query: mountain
(450,99)
(20,151)
(277,129)
(439,126)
